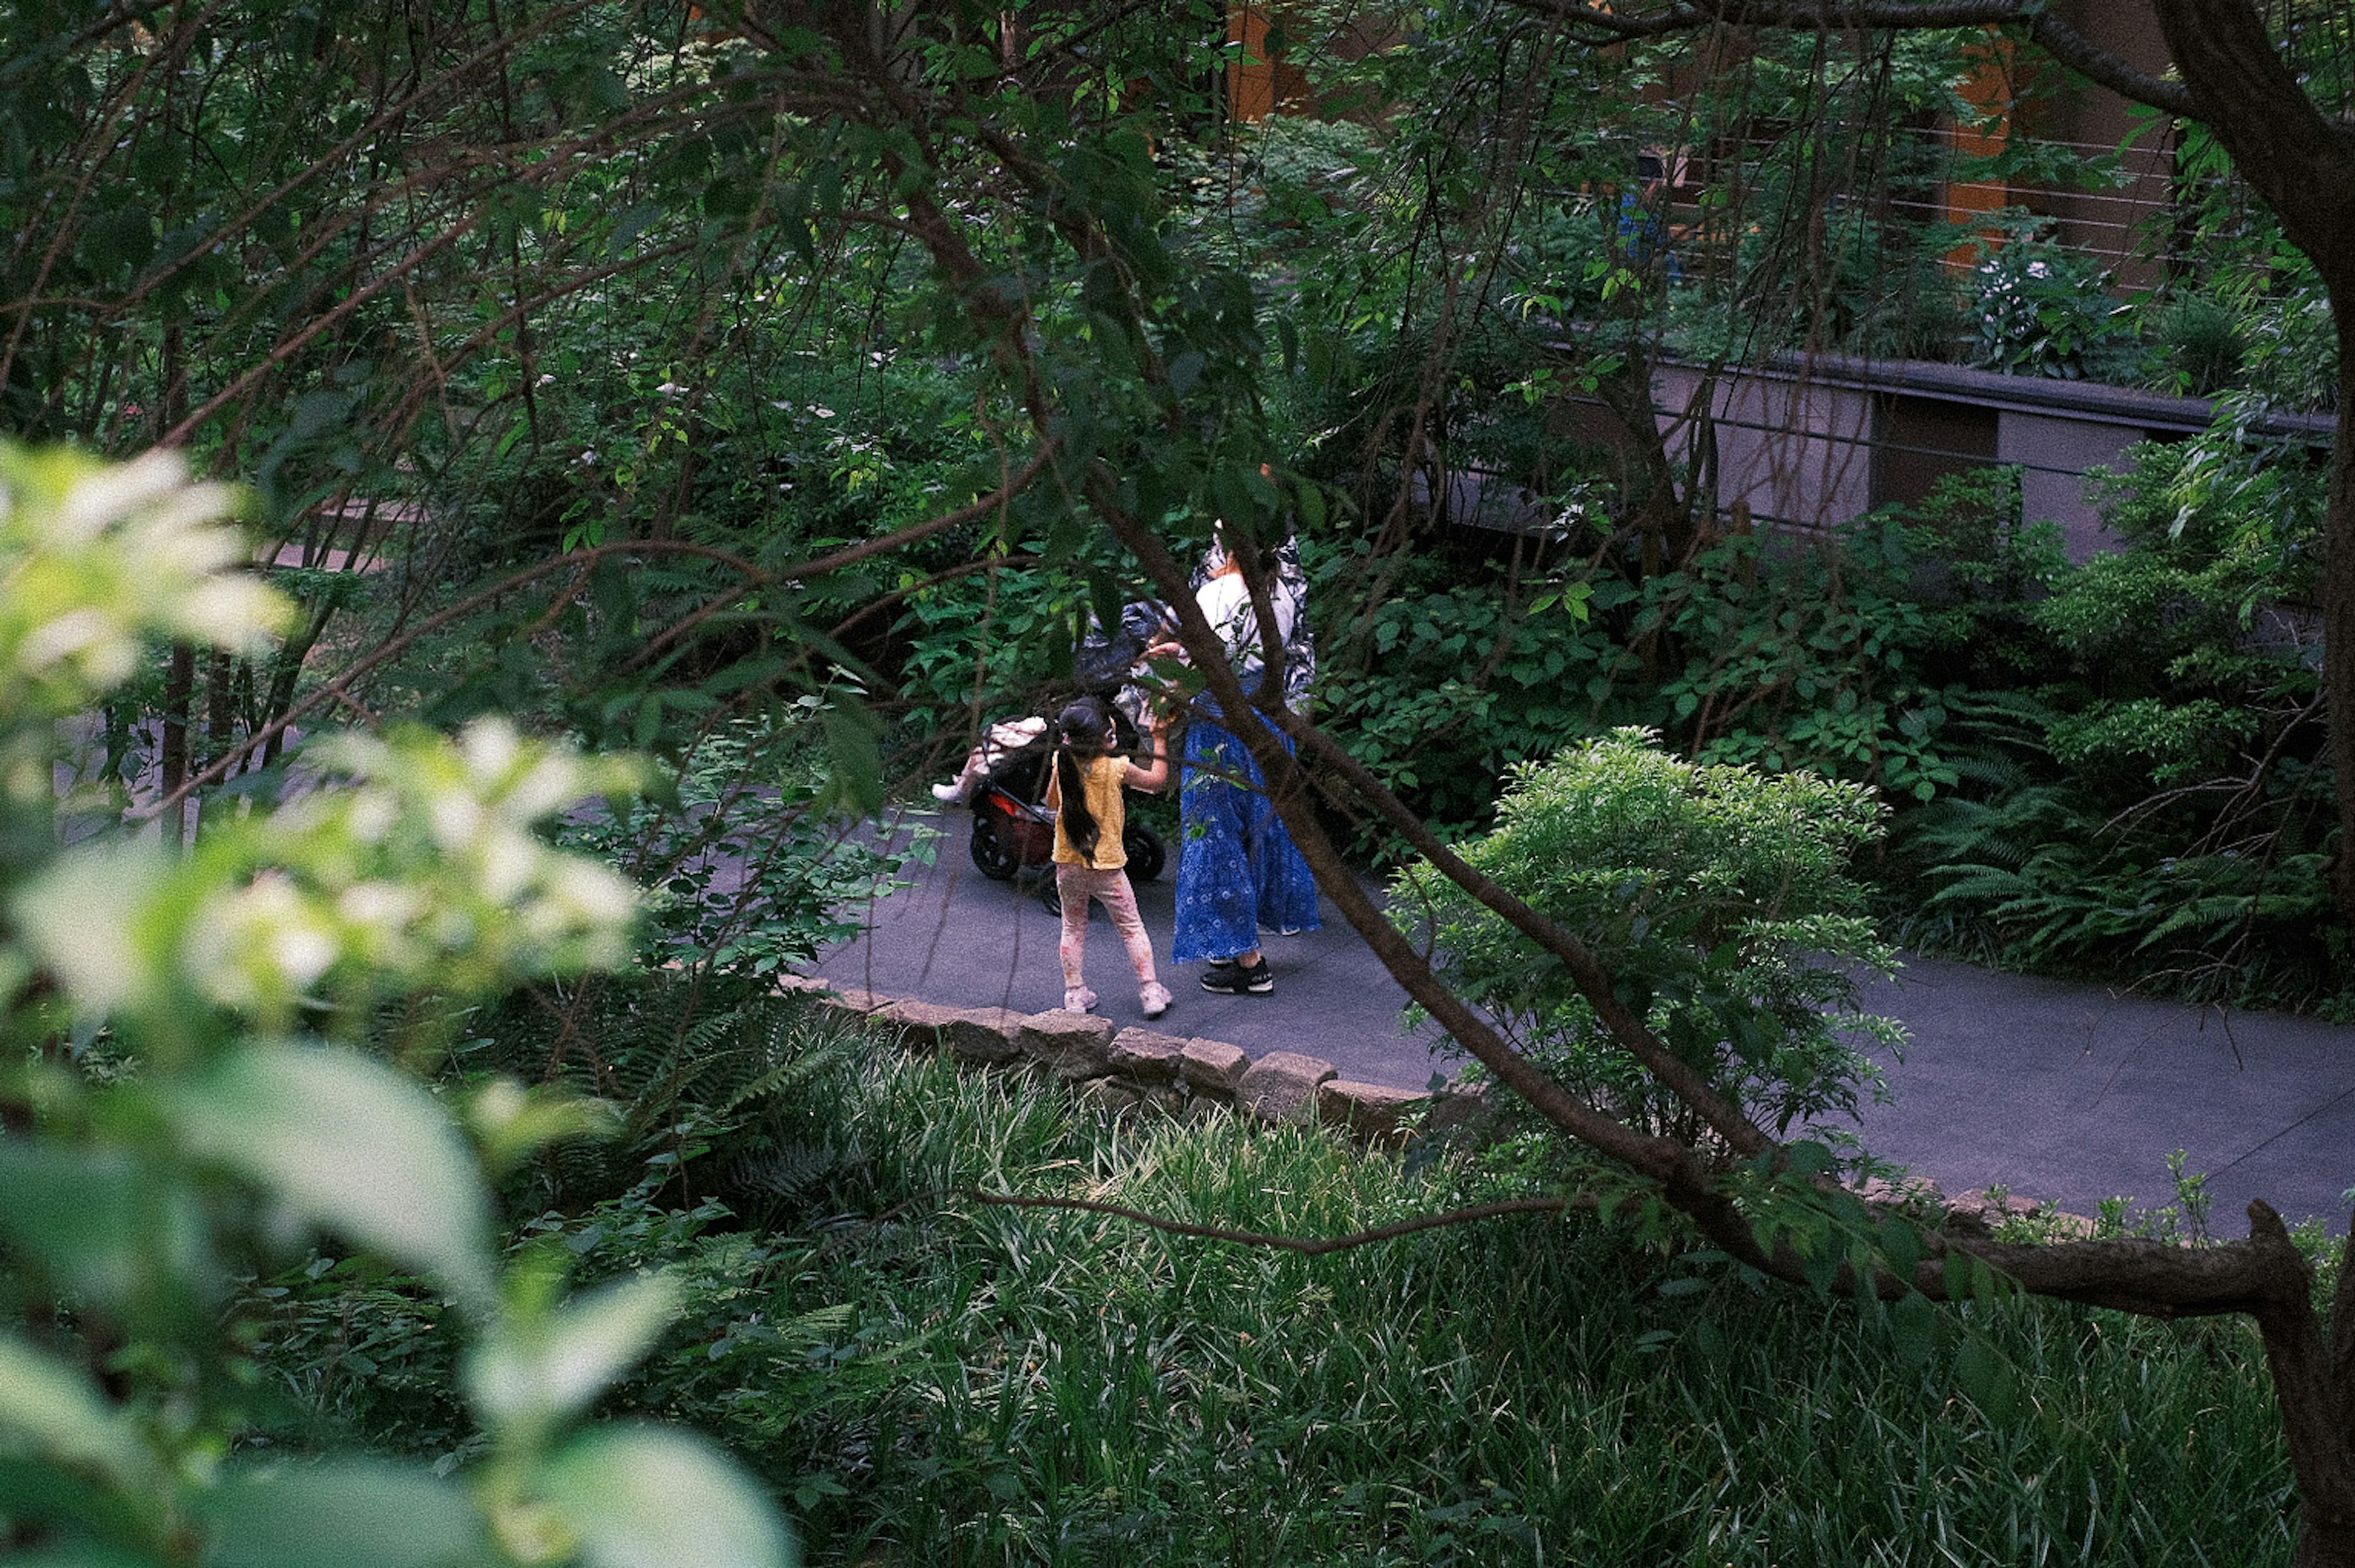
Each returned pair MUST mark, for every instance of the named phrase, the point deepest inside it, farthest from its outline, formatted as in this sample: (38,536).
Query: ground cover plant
(931,1379)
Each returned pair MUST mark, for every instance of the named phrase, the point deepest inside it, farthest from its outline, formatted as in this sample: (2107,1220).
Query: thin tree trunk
(288,672)
(219,716)
(2339,616)
(2316,1424)
(180,679)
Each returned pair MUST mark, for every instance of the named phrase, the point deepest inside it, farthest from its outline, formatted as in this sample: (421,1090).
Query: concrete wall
(2055,452)
(1815,444)
(1796,450)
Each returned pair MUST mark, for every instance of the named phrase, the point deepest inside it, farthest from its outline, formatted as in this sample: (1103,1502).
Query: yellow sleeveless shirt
(1102,778)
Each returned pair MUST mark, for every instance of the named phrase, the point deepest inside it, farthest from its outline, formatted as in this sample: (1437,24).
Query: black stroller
(1013,829)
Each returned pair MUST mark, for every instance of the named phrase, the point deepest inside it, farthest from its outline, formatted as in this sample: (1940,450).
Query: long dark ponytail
(1082,733)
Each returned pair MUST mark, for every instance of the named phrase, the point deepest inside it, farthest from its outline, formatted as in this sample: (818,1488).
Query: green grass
(1025,1387)
(928,1380)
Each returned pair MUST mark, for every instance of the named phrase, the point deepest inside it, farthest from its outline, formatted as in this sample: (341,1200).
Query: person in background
(1000,740)
(1083,789)
(1238,871)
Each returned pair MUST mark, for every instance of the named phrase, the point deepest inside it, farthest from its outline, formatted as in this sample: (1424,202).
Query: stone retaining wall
(1142,1072)
(1140,1068)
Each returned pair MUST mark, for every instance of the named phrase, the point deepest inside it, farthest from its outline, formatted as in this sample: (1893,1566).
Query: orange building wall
(1991,91)
(1262,82)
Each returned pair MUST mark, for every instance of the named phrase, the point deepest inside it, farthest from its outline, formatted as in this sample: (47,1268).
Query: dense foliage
(930,1379)
(752,390)
(178,1116)
(2156,799)
(698,341)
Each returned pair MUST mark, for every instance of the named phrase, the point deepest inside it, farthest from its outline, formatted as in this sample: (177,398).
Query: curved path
(2061,1092)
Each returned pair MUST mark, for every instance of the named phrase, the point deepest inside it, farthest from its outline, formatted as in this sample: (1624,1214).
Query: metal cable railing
(2108,225)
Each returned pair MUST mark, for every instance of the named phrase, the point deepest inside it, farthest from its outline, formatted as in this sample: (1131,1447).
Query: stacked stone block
(1140,1070)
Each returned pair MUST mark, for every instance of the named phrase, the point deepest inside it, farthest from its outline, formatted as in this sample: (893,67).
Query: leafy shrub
(2293,343)
(2159,804)
(748,873)
(2201,341)
(1835,656)
(1860,286)
(988,649)
(2052,883)
(1814,659)
(933,1381)
(2039,310)
(1445,684)
(218,1125)
(1719,899)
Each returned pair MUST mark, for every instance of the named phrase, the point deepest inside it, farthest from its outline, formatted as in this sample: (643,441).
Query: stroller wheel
(1050,894)
(1146,854)
(992,855)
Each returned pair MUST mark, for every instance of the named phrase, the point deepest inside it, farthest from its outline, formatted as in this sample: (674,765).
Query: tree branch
(338,688)
(2069,46)
(2302,164)
(2150,1279)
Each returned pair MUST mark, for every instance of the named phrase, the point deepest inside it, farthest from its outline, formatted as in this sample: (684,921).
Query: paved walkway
(2061,1092)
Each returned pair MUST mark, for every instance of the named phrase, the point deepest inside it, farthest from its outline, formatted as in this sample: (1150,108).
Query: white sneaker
(1156,998)
(1079,999)
(952,793)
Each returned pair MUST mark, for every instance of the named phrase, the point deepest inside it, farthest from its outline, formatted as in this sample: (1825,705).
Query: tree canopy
(829,364)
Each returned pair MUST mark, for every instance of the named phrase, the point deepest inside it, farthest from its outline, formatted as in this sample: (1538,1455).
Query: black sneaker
(1232,979)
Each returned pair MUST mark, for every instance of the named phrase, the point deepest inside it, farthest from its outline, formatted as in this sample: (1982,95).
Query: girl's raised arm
(1156,747)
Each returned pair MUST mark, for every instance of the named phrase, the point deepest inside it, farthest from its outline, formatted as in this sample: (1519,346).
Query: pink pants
(1077,885)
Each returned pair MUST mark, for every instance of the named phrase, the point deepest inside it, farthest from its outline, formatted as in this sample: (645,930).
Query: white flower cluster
(415,865)
(96,559)
(419,871)
(423,869)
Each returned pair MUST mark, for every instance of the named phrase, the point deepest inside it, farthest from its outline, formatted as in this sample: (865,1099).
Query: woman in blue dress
(1239,873)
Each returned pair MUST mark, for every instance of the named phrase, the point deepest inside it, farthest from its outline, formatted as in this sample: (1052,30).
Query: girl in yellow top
(1083,790)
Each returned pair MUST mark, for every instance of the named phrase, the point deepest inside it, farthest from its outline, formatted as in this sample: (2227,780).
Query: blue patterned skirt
(1238,871)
